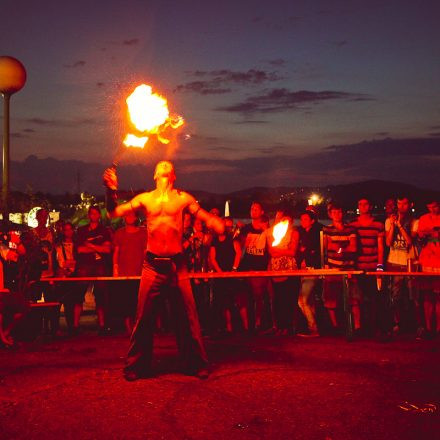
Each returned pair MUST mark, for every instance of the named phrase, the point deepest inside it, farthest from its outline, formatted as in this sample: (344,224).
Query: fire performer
(164,265)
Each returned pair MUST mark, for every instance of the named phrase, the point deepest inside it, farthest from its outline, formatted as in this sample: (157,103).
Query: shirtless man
(164,265)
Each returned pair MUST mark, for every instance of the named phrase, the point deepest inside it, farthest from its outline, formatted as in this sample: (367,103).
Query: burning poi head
(149,116)
(279,231)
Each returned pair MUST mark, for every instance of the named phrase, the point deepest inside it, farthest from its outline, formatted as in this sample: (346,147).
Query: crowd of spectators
(310,305)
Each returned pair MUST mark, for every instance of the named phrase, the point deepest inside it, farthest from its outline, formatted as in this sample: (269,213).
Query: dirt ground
(262,387)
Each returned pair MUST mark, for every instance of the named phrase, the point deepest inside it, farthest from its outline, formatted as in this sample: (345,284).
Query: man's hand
(110,179)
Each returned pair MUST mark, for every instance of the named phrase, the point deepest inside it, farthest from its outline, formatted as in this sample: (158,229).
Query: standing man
(164,265)
(256,257)
(370,258)
(129,244)
(309,257)
(400,231)
(94,246)
(340,245)
(429,234)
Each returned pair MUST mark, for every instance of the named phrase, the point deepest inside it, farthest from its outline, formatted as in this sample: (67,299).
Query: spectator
(340,244)
(225,254)
(429,233)
(71,294)
(309,257)
(282,257)
(370,258)
(94,245)
(39,244)
(400,230)
(129,245)
(253,239)
(13,306)
(199,244)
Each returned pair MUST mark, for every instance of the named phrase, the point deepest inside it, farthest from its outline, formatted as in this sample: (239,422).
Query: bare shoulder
(186,197)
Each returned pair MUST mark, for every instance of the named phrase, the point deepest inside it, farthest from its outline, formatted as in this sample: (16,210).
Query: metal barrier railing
(321,273)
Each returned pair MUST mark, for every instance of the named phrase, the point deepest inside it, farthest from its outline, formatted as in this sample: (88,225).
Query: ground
(261,387)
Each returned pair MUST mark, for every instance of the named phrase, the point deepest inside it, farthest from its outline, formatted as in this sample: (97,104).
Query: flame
(134,141)
(279,231)
(149,115)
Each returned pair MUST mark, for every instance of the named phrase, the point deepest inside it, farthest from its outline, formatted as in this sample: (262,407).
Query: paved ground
(260,388)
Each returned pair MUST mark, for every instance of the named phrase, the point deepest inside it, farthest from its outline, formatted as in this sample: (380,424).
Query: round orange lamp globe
(12,75)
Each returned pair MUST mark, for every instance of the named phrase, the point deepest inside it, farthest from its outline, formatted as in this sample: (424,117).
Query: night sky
(273,92)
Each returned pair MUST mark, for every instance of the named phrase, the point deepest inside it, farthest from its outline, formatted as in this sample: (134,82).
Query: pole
(5,187)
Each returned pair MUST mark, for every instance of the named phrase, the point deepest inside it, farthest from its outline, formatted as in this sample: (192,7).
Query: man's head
(215,211)
(42,215)
(130,219)
(433,207)
(165,169)
(307,219)
(364,206)
(390,206)
(336,213)
(404,205)
(256,210)
(68,230)
(94,214)
(229,224)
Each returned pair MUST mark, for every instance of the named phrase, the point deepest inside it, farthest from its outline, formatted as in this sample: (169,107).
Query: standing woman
(70,294)
(282,257)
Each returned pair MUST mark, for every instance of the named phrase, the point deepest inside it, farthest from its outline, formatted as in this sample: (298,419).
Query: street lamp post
(12,79)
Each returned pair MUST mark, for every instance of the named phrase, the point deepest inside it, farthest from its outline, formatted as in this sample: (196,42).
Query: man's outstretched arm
(110,181)
(212,221)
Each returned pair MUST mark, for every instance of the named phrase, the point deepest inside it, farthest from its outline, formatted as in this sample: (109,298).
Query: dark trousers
(158,273)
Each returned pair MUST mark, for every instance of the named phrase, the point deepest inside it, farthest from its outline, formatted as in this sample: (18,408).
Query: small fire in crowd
(279,231)
(149,115)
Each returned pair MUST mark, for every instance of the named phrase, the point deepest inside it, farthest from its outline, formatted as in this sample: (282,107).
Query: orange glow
(134,141)
(279,231)
(149,114)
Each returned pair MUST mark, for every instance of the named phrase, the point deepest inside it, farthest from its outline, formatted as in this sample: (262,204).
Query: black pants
(157,274)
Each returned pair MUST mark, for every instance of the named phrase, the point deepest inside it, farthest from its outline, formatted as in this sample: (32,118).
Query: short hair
(403,197)
(94,208)
(287,211)
(335,206)
(309,213)
(256,202)
(368,199)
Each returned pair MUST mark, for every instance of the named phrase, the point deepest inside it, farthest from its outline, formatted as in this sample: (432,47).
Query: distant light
(314,199)
(32,217)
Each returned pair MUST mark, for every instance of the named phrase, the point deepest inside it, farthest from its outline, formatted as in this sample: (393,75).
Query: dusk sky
(265,87)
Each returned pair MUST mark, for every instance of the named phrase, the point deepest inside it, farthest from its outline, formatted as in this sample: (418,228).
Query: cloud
(277,62)
(29,130)
(65,123)
(251,121)
(277,25)
(203,88)
(131,42)
(100,84)
(221,81)
(435,134)
(79,63)
(278,100)
(17,135)
(340,43)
